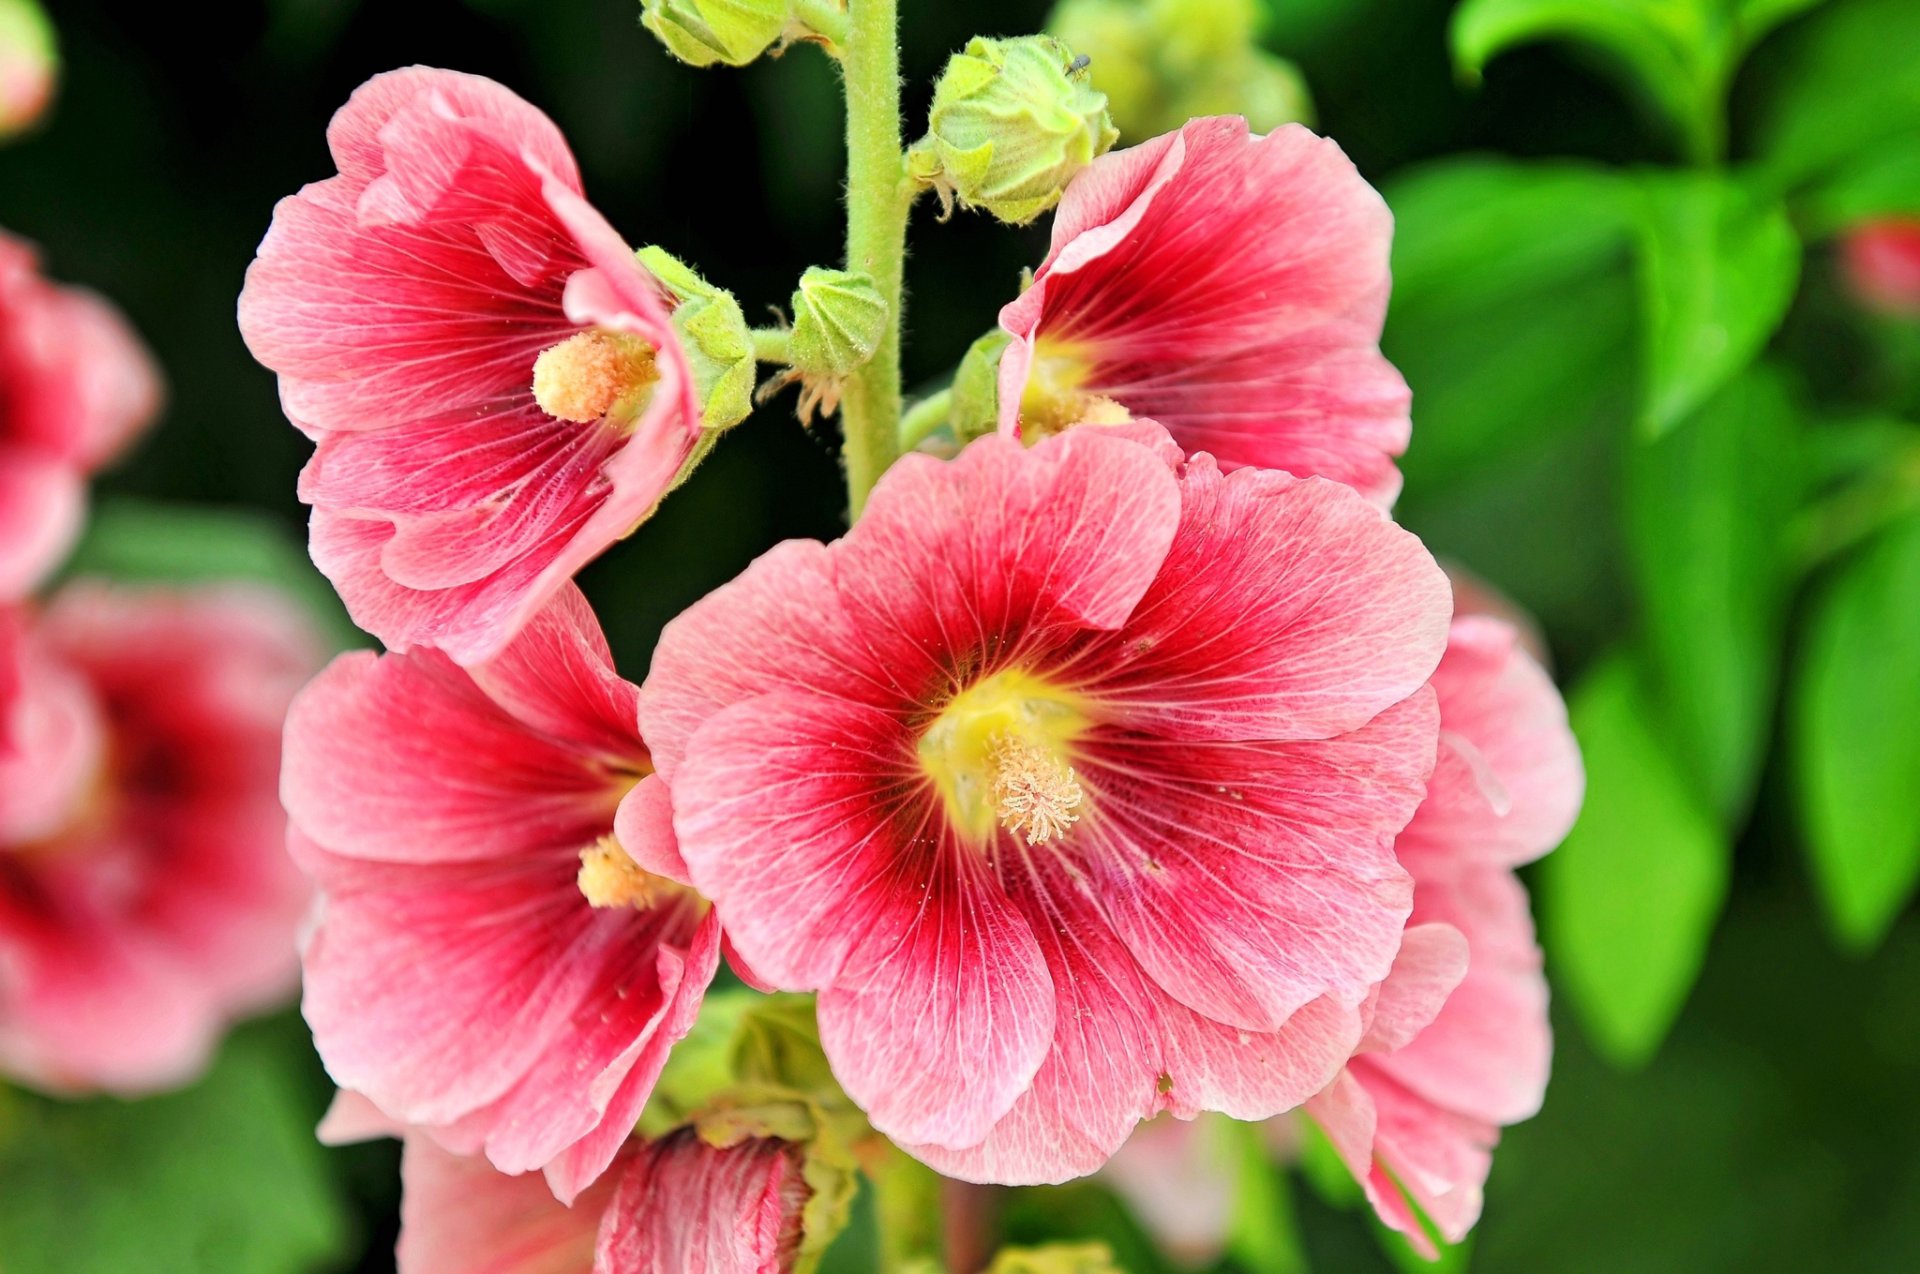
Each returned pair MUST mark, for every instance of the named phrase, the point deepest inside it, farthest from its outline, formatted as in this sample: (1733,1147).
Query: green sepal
(715,336)
(703,32)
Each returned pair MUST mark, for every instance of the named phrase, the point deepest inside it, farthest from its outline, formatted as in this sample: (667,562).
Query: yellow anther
(609,878)
(591,374)
(1034,791)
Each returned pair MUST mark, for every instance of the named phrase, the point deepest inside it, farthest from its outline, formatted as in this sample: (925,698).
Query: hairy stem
(925,416)
(878,200)
(772,344)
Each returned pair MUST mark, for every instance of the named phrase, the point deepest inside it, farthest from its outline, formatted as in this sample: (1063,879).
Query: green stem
(772,344)
(906,1209)
(925,416)
(878,200)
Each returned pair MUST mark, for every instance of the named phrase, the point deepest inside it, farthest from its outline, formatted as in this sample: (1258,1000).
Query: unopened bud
(714,334)
(29,65)
(702,32)
(839,320)
(1012,122)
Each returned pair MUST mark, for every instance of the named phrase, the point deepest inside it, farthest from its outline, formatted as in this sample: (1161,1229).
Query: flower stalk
(878,200)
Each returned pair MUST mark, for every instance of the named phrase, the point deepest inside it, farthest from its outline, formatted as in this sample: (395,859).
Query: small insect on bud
(1012,122)
(839,319)
(703,32)
(29,65)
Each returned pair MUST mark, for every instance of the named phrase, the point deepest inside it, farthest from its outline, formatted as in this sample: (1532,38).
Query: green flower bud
(715,336)
(702,32)
(1163,62)
(29,65)
(975,407)
(1056,1258)
(839,319)
(1267,90)
(1012,122)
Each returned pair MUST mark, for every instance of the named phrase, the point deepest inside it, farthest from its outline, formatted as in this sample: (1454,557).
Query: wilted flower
(146,899)
(491,963)
(76,386)
(493,379)
(1416,1115)
(1068,777)
(1228,286)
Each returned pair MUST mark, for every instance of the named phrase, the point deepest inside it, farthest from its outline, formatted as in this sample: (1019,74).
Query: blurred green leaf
(223,1176)
(1265,1234)
(1881,183)
(146,541)
(1708,507)
(1680,53)
(1510,304)
(1846,97)
(1856,737)
(1512,320)
(1631,898)
(1718,269)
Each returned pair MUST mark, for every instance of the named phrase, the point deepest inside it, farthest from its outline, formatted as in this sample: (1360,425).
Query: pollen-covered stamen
(591,375)
(609,878)
(1034,791)
(1058,394)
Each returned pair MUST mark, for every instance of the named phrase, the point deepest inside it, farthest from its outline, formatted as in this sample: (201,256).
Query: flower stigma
(999,753)
(592,375)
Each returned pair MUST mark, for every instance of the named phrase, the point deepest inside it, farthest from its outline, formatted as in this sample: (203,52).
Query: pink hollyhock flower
(1417,1113)
(76,386)
(1881,262)
(489,963)
(145,900)
(1231,287)
(491,376)
(1069,779)
(667,1206)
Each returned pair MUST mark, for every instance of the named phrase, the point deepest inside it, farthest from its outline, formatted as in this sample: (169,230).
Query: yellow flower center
(1057,396)
(592,375)
(1000,753)
(609,878)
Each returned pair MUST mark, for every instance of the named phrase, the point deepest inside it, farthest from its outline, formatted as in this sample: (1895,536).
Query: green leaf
(1707,511)
(1630,899)
(144,541)
(224,1176)
(1856,737)
(1847,92)
(1681,54)
(1718,269)
(1512,320)
(1511,305)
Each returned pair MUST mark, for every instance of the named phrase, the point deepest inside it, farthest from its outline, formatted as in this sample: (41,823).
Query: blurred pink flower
(1068,778)
(29,65)
(668,1206)
(1416,1115)
(489,963)
(1881,263)
(490,375)
(76,386)
(145,897)
(1229,286)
